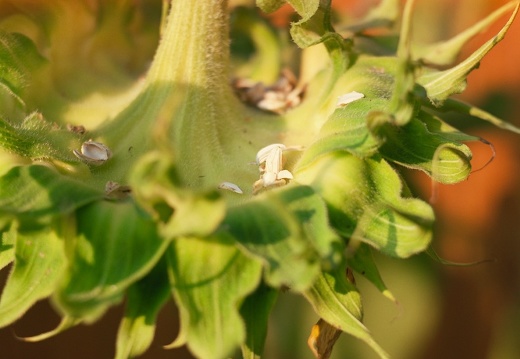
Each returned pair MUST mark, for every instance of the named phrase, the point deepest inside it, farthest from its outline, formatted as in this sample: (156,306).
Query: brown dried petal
(322,339)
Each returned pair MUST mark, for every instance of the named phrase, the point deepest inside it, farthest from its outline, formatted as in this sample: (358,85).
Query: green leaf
(402,102)
(315,27)
(436,153)
(270,5)
(338,302)
(365,203)
(250,29)
(445,53)
(7,243)
(38,265)
(210,278)
(13,140)
(399,231)
(433,255)
(306,8)
(438,127)
(179,211)
(384,14)
(255,312)
(144,300)
(115,244)
(346,130)
(288,230)
(352,127)
(18,59)
(66,323)
(37,191)
(440,85)
(36,138)
(363,263)
(465,108)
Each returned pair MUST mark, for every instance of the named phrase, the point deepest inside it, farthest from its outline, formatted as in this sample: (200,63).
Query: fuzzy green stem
(196,42)
(187,104)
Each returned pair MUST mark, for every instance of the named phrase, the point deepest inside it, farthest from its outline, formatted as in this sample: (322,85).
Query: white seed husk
(347,98)
(93,153)
(230,187)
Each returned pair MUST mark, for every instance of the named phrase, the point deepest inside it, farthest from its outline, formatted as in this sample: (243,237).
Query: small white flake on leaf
(230,187)
(347,98)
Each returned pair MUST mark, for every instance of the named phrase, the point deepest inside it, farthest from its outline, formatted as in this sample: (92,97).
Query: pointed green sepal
(144,300)
(255,312)
(467,109)
(445,53)
(440,85)
(363,262)
(65,324)
(338,302)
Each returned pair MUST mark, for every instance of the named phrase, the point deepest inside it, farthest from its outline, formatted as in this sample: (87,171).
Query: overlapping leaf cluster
(180,131)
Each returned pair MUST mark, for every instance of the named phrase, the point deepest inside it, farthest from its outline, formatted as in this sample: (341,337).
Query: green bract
(114,185)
